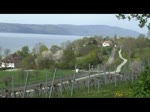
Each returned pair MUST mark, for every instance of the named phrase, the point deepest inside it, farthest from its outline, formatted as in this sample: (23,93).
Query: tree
(93,57)
(57,56)
(129,47)
(141,36)
(39,48)
(135,67)
(141,18)
(28,62)
(115,39)
(148,33)
(141,87)
(6,52)
(66,45)
(45,60)
(0,54)
(54,48)
(24,51)
(68,59)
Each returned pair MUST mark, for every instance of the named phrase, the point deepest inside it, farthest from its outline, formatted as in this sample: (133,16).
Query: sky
(74,19)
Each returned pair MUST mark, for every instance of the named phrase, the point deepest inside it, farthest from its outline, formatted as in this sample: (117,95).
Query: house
(106,43)
(7,65)
(10,61)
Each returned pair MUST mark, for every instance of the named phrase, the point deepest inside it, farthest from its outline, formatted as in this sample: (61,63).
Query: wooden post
(24,94)
(115,77)
(46,85)
(73,81)
(12,86)
(104,76)
(124,76)
(89,79)
(132,76)
(52,83)
(61,86)
(98,77)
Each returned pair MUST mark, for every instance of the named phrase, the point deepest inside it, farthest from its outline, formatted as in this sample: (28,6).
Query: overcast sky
(75,19)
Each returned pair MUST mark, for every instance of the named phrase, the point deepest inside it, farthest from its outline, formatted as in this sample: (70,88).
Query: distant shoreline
(39,34)
(78,30)
(15,41)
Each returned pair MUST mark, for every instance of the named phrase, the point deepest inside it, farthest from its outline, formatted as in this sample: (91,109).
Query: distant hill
(64,29)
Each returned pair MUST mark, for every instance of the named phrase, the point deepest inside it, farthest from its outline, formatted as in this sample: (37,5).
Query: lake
(15,41)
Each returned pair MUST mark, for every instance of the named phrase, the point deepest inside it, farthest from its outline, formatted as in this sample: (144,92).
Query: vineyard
(97,81)
(81,84)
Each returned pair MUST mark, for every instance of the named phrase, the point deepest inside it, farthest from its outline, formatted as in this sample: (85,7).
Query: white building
(7,65)
(106,43)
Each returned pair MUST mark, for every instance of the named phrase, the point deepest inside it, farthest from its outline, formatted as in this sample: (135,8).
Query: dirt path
(123,63)
(118,69)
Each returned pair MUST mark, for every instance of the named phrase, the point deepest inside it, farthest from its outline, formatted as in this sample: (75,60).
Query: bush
(141,88)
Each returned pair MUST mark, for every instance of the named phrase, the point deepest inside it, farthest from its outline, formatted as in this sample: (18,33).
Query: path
(85,77)
(123,63)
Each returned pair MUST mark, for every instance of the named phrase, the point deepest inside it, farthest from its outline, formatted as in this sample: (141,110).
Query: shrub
(141,88)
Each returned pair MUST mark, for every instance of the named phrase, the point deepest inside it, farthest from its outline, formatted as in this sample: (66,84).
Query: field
(142,53)
(122,90)
(36,76)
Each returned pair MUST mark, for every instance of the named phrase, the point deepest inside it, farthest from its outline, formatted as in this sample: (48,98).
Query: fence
(70,84)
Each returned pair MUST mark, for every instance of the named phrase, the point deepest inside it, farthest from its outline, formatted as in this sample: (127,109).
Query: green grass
(122,90)
(142,53)
(81,58)
(34,76)
(106,91)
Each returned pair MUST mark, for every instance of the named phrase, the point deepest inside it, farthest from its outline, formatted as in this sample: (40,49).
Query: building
(10,61)
(7,65)
(106,43)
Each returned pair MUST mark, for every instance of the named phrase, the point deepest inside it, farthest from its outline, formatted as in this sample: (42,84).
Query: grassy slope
(141,53)
(34,76)
(122,90)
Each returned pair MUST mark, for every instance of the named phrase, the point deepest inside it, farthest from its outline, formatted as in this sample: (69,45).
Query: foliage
(141,87)
(134,48)
(45,60)
(148,33)
(93,57)
(39,48)
(54,48)
(141,18)
(0,54)
(136,67)
(28,62)
(68,59)
(24,51)
(7,52)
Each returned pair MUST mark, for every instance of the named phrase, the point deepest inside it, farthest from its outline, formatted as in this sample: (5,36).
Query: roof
(110,42)
(13,58)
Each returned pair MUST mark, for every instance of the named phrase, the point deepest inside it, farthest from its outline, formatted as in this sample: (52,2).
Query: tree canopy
(141,18)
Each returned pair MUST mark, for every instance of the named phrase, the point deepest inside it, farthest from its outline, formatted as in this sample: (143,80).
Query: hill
(64,29)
